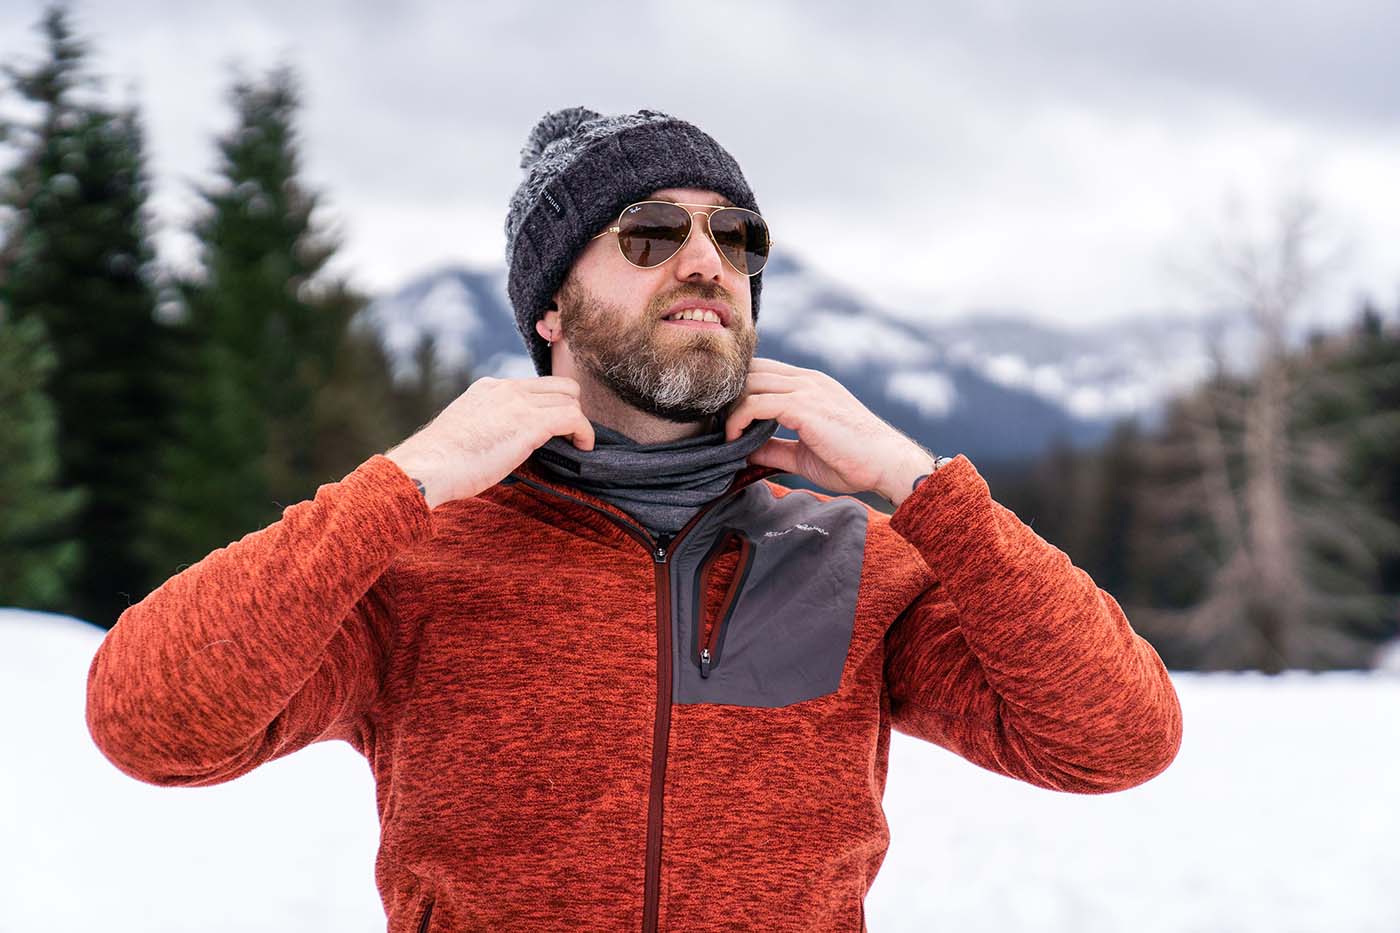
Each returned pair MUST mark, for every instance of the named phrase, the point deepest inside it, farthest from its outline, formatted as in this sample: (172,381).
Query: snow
(933,392)
(1278,815)
(850,341)
(1116,369)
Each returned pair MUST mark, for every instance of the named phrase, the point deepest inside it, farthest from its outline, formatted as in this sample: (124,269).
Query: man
(607,674)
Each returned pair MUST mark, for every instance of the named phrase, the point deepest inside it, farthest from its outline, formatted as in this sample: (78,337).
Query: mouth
(698,315)
(693,325)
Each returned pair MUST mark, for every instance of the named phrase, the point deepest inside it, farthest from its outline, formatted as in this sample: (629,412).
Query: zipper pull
(662,542)
(704,662)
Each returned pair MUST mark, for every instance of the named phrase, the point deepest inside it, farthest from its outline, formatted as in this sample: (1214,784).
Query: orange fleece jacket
(496,661)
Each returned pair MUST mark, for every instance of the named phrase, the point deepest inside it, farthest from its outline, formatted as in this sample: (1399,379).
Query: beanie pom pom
(552,126)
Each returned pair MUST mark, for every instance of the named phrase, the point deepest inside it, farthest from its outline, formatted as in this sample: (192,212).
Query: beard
(686,376)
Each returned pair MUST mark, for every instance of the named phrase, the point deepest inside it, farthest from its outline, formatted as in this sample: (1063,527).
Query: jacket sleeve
(273,642)
(1014,659)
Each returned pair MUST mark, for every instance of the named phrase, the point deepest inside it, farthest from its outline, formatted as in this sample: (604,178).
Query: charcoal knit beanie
(581,170)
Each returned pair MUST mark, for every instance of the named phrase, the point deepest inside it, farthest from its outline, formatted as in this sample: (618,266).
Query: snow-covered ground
(1282,813)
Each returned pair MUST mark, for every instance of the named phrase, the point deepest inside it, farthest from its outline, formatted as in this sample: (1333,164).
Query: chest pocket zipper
(709,631)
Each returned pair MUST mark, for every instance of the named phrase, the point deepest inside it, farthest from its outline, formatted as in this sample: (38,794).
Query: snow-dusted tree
(1250,503)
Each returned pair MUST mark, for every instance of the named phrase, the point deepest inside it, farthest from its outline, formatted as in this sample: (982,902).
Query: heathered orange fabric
(495,660)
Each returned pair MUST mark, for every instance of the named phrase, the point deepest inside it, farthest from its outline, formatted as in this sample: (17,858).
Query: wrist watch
(938,464)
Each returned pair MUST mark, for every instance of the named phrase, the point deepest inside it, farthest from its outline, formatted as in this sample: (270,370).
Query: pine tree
(77,257)
(260,255)
(354,411)
(51,85)
(274,401)
(38,554)
(1351,409)
(1112,512)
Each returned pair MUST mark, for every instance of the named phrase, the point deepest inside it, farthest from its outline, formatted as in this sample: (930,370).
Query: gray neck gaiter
(660,485)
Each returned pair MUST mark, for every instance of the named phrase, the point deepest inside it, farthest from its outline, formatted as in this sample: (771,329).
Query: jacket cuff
(943,511)
(381,479)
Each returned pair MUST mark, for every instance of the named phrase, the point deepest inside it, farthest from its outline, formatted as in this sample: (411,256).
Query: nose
(700,257)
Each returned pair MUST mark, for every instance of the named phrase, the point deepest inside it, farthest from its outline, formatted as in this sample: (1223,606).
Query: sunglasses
(651,232)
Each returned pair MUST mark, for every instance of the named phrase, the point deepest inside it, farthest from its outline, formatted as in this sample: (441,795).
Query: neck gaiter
(660,485)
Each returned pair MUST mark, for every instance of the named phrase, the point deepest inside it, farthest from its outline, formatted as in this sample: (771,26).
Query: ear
(548,324)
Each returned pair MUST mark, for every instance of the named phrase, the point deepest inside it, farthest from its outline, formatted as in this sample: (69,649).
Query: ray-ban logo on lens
(800,526)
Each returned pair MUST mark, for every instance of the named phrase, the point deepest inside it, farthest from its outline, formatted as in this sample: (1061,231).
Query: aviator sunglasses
(651,232)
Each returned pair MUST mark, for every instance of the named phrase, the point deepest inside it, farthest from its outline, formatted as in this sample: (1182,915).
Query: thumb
(777,452)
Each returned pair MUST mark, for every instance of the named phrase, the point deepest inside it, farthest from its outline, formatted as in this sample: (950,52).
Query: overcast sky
(1052,158)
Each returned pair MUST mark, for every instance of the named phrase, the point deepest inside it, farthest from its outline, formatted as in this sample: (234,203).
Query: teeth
(695,314)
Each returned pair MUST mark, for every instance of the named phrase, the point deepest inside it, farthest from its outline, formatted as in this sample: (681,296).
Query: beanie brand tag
(555,205)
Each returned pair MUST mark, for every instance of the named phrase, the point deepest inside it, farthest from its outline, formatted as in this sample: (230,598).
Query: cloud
(937,156)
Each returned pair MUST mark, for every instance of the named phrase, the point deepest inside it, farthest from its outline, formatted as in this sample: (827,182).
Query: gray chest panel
(788,631)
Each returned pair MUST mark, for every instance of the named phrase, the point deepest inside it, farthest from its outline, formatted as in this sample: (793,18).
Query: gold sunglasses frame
(714,208)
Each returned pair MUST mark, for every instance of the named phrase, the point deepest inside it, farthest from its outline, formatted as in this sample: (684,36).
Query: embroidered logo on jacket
(800,526)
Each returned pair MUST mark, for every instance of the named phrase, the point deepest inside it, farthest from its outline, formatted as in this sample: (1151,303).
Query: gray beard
(686,383)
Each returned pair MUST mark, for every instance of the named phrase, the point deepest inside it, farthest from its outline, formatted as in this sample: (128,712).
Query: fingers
(553,384)
(777,452)
(761,364)
(579,431)
(561,415)
(758,408)
(771,382)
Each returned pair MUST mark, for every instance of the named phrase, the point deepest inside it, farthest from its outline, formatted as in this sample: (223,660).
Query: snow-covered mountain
(467,312)
(992,385)
(1124,367)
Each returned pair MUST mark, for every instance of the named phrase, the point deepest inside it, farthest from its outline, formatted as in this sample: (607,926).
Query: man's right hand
(489,430)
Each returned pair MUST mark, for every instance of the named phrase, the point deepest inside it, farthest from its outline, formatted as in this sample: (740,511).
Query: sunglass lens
(652,231)
(742,235)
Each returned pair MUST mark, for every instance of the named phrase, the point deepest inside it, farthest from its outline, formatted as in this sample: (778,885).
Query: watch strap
(938,464)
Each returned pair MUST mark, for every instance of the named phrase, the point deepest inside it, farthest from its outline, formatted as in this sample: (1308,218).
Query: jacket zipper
(660,549)
(427,915)
(708,640)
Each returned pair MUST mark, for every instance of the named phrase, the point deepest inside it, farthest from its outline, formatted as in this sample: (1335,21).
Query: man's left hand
(842,445)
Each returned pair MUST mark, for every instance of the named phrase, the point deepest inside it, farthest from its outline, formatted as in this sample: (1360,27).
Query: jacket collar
(548,499)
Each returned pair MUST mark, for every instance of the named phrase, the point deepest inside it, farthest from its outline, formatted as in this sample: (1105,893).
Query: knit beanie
(581,170)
